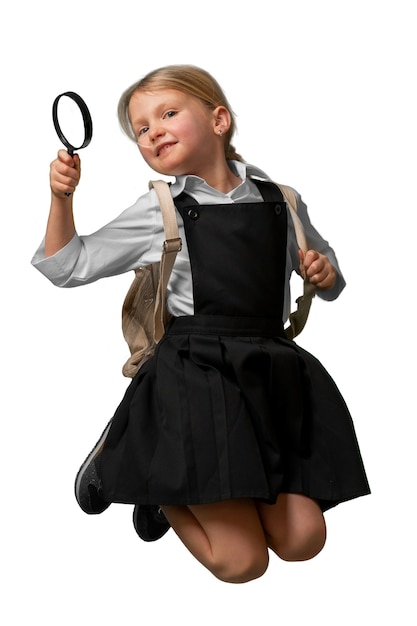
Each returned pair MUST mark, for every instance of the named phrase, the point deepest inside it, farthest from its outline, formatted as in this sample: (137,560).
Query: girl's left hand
(317,268)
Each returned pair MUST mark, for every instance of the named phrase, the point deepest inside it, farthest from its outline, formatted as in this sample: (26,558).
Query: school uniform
(227,407)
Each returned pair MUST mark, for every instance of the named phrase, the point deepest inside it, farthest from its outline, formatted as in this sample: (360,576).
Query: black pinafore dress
(228,407)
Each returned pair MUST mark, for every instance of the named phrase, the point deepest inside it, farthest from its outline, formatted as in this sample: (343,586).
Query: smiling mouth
(164,148)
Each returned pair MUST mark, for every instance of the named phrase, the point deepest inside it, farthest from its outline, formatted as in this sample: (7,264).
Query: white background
(324,93)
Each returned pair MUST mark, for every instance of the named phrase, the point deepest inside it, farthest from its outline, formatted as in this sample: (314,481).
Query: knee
(242,568)
(302,545)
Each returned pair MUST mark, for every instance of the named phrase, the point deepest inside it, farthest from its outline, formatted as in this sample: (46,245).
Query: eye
(170,114)
(142,131)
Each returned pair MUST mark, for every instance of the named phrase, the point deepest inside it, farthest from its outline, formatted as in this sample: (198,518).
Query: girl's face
(176,133)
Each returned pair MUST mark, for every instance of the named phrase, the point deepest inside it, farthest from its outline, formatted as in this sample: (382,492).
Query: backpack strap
(172,245)
(297,319)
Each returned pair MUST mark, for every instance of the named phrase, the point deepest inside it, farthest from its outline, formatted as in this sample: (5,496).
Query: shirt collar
(195,184)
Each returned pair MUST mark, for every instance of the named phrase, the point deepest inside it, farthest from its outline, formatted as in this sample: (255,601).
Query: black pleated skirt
(221,414)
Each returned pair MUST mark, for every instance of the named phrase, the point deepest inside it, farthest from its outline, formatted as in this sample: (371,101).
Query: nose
(154,132)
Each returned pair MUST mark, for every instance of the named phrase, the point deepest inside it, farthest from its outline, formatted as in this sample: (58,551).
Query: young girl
(231,434)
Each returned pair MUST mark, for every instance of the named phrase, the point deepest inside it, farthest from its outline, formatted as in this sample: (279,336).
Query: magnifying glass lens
(72,121)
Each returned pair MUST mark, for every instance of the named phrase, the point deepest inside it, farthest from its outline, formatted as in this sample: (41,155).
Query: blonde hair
(186,78)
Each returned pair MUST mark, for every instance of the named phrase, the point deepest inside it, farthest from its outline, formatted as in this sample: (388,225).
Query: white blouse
(135,239)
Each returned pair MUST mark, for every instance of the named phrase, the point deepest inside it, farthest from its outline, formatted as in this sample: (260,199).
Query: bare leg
(226,537)
(294,527)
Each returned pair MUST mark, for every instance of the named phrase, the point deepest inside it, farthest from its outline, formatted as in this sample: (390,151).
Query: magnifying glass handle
(71,153)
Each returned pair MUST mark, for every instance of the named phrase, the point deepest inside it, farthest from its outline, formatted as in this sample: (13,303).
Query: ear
(222,120)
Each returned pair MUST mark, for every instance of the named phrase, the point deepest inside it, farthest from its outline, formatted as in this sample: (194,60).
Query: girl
(231,434)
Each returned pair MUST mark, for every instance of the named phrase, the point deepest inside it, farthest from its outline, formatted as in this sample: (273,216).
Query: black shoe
(88,482)
(149,522)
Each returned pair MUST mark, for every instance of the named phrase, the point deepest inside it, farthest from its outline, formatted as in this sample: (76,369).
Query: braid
(231,154)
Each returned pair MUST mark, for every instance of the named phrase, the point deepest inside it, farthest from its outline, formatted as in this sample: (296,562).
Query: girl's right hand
(65,173)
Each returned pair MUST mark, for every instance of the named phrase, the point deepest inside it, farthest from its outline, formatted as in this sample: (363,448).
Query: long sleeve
(133,238)
(315,242)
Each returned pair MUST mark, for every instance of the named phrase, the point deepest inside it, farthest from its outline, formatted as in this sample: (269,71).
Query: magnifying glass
(70,118)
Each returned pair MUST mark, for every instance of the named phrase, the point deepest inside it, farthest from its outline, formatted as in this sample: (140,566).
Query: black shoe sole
(87,483)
